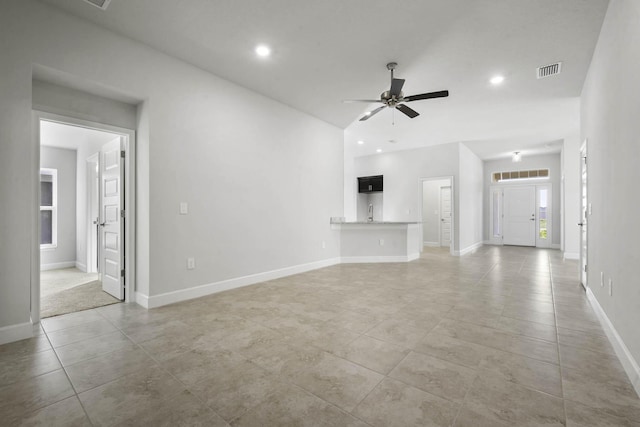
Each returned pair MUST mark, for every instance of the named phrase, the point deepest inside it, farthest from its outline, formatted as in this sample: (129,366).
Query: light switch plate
(184,208)
(191,263)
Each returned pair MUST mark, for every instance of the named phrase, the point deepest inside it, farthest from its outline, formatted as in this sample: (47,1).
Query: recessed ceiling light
(496,80)
(263,51)
(379,150)
(360,142)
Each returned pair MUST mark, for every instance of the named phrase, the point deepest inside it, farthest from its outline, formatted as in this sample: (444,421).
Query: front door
(519,209)
(111,222)
(583,215)
(445,216)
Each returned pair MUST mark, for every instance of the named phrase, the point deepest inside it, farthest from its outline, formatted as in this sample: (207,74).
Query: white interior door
(445,216)
(583,219)
(519,222)
(111,223)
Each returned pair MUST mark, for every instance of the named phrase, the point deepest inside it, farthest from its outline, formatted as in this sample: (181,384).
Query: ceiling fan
(394,98)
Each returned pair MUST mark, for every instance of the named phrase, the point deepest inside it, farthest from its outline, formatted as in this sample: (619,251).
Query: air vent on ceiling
(549,70)
(102,4)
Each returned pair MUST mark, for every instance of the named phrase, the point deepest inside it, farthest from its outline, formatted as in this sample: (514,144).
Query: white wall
(470,200)
(547,161)
(571,197)
(64,161)
(403,173)
(431,210)
(260,190)
(610,121)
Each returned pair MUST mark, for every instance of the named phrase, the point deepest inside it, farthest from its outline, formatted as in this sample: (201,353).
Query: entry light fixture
(496,80)
(516,157)
(263,51)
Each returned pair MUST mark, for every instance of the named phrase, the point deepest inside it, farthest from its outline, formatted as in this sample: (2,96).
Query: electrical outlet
(191,263)
(184,208)
(381,241)
(602,279)
(610,287)
(324,244)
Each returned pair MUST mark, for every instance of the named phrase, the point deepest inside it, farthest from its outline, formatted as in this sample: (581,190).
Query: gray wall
(548,161)
(611,124)
(260,193)
(64,161)
(470,204)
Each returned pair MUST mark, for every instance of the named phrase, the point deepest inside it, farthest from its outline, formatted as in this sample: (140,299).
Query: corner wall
(470,203)
(610,122)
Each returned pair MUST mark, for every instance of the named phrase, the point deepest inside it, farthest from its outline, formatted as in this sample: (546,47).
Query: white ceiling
(59,135)
(330,50)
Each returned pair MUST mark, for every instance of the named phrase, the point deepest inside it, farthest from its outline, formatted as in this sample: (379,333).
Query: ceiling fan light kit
(394,97)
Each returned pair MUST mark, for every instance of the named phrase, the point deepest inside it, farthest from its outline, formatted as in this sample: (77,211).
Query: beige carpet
(69,290)
(54,281)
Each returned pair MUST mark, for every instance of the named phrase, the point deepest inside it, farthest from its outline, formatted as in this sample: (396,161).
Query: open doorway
(437,213)
(82,240)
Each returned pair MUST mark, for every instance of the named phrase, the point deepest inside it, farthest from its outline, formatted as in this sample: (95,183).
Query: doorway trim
(452,250)
(584,214)
(129,136)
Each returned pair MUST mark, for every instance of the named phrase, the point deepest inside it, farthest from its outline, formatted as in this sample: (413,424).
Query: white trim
(468,249)
(571,255)
(626,358)
(57,265)
(80,266)
(225,285)
(17,332)
(378,259)
(130,174)
(431,244)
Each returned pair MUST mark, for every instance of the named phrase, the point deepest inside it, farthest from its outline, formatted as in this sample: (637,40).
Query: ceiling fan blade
(396,87)
(408,111)
(430,95)
(368,101)
(376,111)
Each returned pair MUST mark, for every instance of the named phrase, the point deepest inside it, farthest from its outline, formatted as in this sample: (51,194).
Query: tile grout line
(75,392)
(553,298)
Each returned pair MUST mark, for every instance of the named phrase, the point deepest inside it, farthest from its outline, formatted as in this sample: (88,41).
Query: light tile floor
(500,337)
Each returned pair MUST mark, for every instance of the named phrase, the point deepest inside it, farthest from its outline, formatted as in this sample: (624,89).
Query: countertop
(374,222)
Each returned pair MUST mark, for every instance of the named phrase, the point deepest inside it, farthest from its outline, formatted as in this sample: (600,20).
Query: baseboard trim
(431,244)
(80,266)
(57,265)
(17,332)
(571,255)
(154,301)
(378,259)
(468,249)
(629,364)
(141,299)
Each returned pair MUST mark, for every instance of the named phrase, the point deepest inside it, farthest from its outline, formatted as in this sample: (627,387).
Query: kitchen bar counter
(378,241)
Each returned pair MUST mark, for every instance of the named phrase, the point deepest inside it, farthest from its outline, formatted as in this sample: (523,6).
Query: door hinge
(585,268)
(122,273)
(122,153)
(123,213)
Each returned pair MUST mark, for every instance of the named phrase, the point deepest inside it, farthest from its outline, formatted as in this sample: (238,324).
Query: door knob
(102,224)
(581,224)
